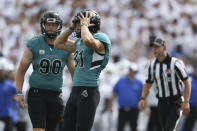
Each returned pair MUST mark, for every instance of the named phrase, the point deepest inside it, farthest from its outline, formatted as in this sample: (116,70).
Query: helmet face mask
(51,17)
(94,20)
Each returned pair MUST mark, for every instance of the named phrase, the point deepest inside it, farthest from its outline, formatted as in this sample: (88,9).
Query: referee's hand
(141,104)
(185,108)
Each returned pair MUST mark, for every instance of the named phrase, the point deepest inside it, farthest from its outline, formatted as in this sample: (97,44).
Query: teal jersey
(48,64)
(89,63)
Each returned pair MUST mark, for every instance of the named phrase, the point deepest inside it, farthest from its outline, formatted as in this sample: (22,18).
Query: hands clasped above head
(86,19)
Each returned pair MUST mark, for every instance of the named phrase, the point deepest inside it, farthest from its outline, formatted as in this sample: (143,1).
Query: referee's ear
(165,47)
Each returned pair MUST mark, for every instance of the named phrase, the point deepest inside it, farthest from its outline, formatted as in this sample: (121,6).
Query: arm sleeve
(181,70)
(107,43)
(30,45)
(150,78)
(103,38)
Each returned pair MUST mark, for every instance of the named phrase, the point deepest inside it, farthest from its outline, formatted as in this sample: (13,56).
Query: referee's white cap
(158,42)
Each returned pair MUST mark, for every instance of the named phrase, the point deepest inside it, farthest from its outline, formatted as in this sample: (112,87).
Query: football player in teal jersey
(92,52)
(45,105)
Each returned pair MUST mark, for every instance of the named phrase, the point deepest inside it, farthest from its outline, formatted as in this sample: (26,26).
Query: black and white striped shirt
(168,76)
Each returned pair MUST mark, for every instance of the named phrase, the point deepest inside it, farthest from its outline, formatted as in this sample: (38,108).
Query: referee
(170,76)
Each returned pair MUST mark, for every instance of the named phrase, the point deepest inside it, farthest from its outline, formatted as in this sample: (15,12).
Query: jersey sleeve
(103,38)
(66,55)
(30,44)
(107,43)
(181,70)
(150,78)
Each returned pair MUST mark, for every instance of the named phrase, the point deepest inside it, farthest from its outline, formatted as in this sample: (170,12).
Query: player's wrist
(142,98)
(19,93)
(84,24)
(186,101)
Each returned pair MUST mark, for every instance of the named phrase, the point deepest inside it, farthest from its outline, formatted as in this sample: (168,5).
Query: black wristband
(142,98)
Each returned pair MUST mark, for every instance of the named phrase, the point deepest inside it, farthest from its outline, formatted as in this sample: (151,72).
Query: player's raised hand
(85,19)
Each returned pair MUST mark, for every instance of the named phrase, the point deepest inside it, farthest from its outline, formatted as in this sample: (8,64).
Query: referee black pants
(169,113)
(153,124)
(191,119)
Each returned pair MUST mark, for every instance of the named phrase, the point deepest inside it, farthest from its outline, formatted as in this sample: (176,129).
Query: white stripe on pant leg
(180,114)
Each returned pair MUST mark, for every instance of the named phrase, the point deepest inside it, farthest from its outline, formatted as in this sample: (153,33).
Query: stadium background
(128,23)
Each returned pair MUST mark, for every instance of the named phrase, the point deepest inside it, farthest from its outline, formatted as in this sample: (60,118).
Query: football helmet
(51,17)
(96,20)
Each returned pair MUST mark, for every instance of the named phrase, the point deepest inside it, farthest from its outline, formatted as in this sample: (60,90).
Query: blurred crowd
(128,23)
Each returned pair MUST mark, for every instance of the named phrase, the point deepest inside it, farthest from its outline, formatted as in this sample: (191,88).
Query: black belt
(170,98)
(192,107)
(128,108)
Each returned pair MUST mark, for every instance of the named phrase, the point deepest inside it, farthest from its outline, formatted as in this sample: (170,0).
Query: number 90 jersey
(48,64)
(89,63)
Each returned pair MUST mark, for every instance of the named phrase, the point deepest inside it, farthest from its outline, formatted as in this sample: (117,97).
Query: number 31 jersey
(48,64)
(89,63)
